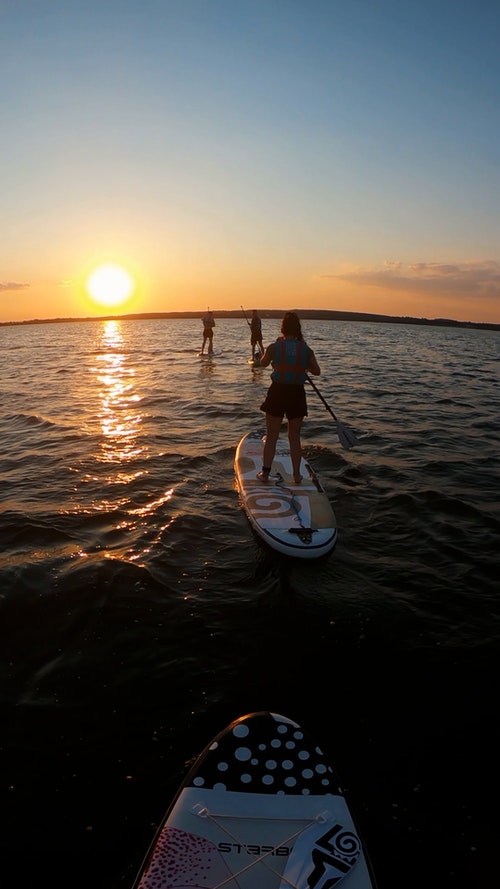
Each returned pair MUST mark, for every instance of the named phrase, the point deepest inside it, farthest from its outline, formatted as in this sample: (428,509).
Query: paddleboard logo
(337,852)
(333,855)
(254,849)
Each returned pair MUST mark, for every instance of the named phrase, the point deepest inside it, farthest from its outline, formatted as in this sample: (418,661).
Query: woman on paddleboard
(256,333)
(291,359)
(208,333)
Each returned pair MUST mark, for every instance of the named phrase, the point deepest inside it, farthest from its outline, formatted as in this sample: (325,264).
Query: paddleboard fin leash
(314,478)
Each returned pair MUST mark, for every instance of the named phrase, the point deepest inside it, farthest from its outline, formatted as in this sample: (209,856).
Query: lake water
(139,614)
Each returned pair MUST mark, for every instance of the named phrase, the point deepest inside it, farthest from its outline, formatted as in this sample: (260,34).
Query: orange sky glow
(463,292)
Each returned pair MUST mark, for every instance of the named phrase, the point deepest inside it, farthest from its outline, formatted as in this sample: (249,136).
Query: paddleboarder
(208,333)
(256,333)
(291,359)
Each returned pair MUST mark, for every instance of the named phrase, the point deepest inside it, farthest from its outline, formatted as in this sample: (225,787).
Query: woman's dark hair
(290,326)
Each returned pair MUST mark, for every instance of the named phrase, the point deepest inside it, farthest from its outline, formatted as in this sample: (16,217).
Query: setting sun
(110,285)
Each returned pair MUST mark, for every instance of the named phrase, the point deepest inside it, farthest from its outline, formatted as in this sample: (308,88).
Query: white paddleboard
(255,361)
(261,808)
(297,520)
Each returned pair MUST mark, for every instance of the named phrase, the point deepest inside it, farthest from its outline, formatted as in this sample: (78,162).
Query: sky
(327,154)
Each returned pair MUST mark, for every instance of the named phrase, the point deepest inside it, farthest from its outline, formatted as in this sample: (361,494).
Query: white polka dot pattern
(265,753)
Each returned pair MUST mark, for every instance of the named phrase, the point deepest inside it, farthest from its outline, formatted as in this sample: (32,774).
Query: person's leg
(294,427)
(210,343)
(273,426)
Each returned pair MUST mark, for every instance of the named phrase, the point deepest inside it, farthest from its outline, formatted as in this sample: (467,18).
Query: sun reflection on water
(120,417)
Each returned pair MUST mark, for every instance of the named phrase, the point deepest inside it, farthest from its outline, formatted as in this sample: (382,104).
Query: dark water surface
(139,615)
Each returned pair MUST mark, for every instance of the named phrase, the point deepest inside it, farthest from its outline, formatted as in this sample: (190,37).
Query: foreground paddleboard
(297,520)
(260,809)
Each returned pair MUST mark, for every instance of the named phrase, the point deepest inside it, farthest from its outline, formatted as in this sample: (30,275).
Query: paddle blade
(346,436)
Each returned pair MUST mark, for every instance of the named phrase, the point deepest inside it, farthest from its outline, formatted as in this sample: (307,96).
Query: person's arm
(267,356)
(313,366)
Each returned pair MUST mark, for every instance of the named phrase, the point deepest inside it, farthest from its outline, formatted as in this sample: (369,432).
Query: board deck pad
(260,809)
(297,520)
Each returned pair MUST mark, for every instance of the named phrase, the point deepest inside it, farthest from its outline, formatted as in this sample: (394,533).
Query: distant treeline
(305,314)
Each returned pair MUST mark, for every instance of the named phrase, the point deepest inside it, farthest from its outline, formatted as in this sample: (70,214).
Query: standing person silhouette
(208,333)
(291,359)
(256,333)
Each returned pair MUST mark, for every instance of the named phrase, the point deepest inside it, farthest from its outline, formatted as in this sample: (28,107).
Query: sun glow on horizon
(110,285)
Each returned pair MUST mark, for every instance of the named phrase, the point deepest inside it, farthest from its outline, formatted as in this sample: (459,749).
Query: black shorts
(285,399)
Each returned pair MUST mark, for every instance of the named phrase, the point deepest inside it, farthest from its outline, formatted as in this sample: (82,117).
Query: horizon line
(309,314)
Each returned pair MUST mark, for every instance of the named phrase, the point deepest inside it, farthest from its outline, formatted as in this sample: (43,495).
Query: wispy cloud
(13,285)
(472,278)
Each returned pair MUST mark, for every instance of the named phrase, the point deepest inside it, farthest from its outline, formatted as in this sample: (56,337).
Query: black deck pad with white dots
(260,809)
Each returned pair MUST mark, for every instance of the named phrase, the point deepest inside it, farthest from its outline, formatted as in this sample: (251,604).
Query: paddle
(245,314)
(346,436)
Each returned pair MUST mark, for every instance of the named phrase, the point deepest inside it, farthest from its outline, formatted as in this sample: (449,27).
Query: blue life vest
(290,361)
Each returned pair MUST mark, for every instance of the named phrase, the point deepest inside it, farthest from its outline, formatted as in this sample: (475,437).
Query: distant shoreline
(305,314)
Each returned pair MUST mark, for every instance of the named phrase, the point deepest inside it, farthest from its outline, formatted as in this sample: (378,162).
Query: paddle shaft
(320,395)
(245,314)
